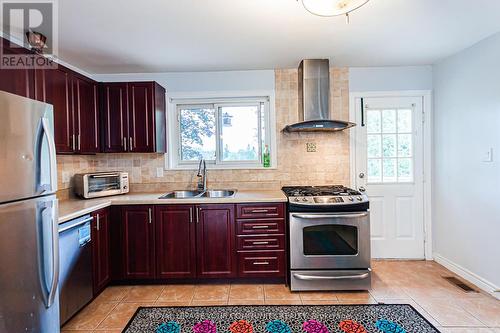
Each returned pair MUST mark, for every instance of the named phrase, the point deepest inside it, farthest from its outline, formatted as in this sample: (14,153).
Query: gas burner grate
(307,191)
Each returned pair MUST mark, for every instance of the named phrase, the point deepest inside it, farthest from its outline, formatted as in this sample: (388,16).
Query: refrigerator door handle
(55,257)
(52,155)
(49,292)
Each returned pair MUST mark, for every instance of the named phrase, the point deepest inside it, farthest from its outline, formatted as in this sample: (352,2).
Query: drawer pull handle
(260,227)
(259,211)
(260,243)
(261,263)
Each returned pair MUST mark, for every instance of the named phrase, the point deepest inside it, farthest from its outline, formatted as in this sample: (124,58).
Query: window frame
(266,129)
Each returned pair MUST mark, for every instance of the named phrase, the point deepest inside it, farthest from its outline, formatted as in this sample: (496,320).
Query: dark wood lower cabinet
(184,241)
(175,241)
(138,251)
(215,241)
(101,250)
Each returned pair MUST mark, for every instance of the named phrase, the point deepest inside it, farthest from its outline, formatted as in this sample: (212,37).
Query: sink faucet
(202,176)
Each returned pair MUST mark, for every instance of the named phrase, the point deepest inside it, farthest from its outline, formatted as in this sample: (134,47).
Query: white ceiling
(110,36)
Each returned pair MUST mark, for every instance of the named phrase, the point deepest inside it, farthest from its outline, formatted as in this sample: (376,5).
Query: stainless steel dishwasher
(75,253)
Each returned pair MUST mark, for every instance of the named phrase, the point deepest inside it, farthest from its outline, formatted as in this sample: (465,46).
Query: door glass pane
(390,170)
(374,146)
(389,145)
(389,121)
(240,133)
(330,240)
(405,172)
(373,121)
(404,145)
(404,121)
(197,133)
(374,170)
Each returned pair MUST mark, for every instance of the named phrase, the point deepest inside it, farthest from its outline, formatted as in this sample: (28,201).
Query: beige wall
(329,165)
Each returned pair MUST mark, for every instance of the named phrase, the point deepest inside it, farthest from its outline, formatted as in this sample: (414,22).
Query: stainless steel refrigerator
(29,261)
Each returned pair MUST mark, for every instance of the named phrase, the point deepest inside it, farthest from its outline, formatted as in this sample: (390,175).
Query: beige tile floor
(418,283)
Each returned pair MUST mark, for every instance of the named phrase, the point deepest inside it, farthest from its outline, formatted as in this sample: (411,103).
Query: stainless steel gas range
(329,238)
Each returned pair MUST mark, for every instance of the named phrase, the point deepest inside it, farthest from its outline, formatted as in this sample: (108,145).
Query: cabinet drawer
(261,242)
(261,264)
(248,211)
(246,227)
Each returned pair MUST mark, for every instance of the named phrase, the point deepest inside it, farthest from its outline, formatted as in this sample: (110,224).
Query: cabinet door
(15,81)
(101,250)
(215,238)
(58,92)
(138,242)
(175,241)
(85,99)
(114,117)
(141,117)
(40,85)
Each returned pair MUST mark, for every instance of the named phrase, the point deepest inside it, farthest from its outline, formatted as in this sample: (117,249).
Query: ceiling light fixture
(332,7)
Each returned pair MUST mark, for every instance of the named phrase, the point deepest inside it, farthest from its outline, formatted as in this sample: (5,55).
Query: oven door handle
(329,216)
(105,175)
(340,277)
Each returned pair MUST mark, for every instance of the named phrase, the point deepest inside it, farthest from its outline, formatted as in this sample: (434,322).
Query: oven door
(103,184)
(330,240)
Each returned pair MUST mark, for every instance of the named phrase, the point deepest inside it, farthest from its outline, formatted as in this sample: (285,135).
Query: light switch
(159,172)
(488,155)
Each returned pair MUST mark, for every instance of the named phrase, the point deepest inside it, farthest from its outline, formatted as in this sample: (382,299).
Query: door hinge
(423,117)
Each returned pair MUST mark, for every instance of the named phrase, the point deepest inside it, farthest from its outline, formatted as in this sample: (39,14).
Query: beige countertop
(72,208)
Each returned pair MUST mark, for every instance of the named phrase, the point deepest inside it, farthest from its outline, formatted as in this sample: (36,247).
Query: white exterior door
(389,168)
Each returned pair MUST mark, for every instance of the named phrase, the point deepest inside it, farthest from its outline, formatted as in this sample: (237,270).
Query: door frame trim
(426,96)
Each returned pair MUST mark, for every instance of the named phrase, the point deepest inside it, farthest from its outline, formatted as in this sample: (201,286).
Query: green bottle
(266,157)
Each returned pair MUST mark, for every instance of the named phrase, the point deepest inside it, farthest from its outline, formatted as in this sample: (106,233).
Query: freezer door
(29,300)
(27,149)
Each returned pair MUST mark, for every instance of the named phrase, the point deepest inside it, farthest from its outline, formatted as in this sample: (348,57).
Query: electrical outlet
(311,147)
(65,177)
(159,172)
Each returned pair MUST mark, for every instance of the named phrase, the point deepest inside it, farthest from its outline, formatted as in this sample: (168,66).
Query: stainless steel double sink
(199,194)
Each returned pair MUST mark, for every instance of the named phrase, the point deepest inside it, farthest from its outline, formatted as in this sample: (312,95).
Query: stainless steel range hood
(314,99)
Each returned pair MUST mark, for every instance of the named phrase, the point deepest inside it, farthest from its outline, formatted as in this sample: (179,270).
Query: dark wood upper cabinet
(76,118)
(59,93)
(17,81)
(86,115)
(141,117)
(175,241)
(215,241)
(138,254)
(133,117)
(114,117)
(101,250)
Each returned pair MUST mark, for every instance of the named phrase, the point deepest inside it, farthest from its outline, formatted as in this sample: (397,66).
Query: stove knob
(351,199)
(360,199)
(304,199)
(296,199)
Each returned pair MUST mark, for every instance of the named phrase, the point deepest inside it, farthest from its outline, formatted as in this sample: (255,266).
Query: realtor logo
(30,27)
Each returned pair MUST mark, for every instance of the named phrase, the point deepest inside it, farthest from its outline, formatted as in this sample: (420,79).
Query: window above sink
(229,133)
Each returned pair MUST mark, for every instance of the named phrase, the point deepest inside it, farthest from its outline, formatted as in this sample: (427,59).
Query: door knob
(362,189)
(361,175)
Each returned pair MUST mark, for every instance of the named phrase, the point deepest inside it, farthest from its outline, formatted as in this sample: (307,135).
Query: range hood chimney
(314,99)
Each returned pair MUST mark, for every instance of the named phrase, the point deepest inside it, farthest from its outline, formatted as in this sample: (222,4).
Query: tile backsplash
(329,164)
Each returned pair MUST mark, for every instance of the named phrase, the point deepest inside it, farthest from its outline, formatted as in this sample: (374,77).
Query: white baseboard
(469,276)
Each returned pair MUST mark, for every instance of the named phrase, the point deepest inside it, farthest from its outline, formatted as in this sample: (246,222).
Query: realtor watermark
(30,27)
